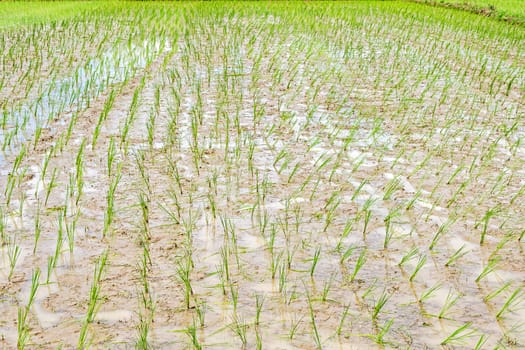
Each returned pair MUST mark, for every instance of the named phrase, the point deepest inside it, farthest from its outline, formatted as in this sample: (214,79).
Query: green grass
(511,10)
(27,13)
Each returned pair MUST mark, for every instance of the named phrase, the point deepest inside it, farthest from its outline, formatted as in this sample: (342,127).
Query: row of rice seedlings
(95,298)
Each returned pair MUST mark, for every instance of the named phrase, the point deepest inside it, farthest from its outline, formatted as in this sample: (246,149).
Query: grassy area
(15,13)
(248,175)
(508,10)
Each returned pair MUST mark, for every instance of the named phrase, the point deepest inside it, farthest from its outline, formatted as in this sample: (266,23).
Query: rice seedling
(450,301)
(343,319)
(408,256)
(361,260)
(485,222)
(420,263)
(94,299)
(427,294)
(460,334)
(315,260)
(240,328)
(103,116)
(191,332)
(379,305)
(183,272)
(13,253)
(514,299)
(457,255)
(491,266)
(316,336)
(143,333)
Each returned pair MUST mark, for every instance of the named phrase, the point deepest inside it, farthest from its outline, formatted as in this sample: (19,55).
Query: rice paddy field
(261,175)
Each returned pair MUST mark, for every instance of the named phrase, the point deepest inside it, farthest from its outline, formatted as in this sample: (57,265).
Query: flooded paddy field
(261,175)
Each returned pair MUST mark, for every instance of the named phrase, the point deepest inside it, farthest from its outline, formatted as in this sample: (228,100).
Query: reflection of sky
(74,93)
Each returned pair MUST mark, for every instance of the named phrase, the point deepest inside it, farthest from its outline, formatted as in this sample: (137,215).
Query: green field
(510,10)
(261,175)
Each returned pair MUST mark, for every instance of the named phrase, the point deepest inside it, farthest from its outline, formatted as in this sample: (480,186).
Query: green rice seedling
(112,152)
(330,209)
(37,229)
(294,171)
(225,267)
(420,263)
(346,232)
(326,288)
(408,256)
(110,201)
(450,301)
(441,230)
(60,239)
(410,204)
(347,254)
(361,260)
(143,326)
(389,232)
(11,181)
(496,292)
(72,122)
(184,267)
(275,262)
(191,332)
(70,231)
(391,187)
(200,310)
(294,327)
(367,213)
(240,328)
(459,191)
(485,222)
(150,126)
(342,321)
(258,339)
(259,302)
(94,298)
(35,283)
(379,305)
(22,328)
(222,278)
(502,243)
(515,298)
(51,185)
(378,338)
(3,237)
(317,337)
(144,206)
(45,162)
(50,264)
(13,253)
(427,294)
(491,266)
(460,334)
(482,340)
(103,116)
(283,274)
(315,260)
(457,255)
